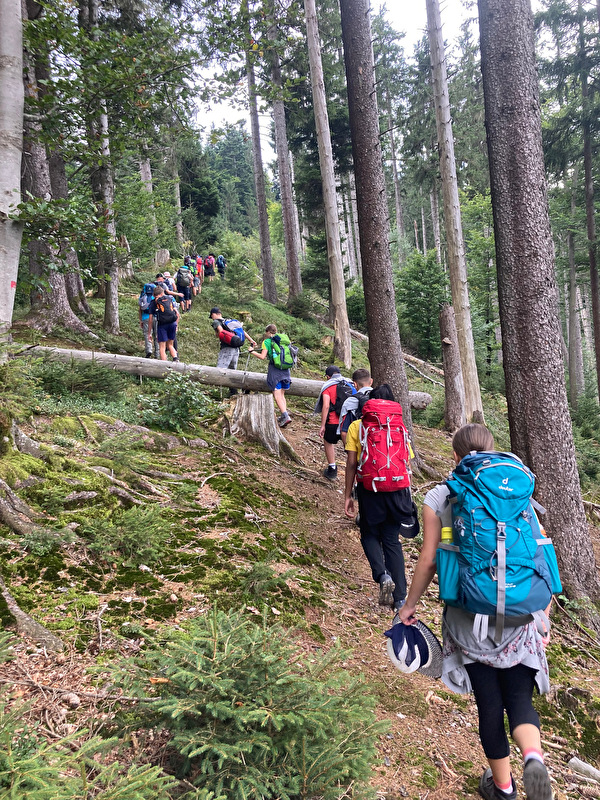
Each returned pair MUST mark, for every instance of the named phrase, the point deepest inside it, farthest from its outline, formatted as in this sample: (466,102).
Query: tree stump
(253,418)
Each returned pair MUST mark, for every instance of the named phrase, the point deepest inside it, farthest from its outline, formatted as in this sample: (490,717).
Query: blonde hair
(472,437)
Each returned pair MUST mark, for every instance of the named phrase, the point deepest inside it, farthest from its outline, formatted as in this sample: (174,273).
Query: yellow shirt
(353,440)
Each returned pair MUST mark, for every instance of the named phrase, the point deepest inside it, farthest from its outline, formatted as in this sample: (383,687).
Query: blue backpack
(146,296)
(235,326)
(500,563)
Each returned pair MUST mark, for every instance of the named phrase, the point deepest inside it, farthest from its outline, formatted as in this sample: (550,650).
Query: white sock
(533,754)
(333,466)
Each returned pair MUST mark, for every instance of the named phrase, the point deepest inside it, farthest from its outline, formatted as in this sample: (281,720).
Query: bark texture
(49,302)
(288,212)
(268,273)
(342,345)
(254,419)
(540,426)
(454,394)
(457,263)
(212,376)
(387,363)
(11,149)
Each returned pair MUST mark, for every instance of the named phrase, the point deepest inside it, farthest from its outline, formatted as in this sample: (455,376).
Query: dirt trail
(432,751)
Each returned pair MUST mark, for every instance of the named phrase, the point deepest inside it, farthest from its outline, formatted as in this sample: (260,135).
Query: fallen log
(212,376)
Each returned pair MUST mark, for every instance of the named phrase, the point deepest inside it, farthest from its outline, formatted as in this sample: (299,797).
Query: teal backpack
(500,564)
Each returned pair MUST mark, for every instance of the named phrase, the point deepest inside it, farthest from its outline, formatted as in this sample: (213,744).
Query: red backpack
(384,464)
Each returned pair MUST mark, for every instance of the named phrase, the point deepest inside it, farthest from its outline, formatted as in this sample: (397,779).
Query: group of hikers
(162,302)
(496,567)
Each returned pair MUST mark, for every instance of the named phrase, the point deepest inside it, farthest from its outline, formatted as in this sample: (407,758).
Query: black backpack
(343,391)
(165,309)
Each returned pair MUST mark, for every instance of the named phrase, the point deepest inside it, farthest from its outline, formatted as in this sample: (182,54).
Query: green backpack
(282,353)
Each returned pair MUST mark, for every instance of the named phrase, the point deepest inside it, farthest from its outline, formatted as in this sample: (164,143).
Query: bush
(179,406)
(250,718)
(138,534)
(89,379)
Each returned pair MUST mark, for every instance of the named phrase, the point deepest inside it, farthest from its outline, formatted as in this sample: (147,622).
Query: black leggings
(497,690)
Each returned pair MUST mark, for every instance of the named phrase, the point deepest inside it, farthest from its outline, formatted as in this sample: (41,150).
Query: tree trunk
(11,150)
(292,245)
(73,282)
(576,375)
(212,376)
(268,273)
(174,172)
(416,227)
(387,364)
(435,221)
(396,179)
(423,229)
(590,213)
(457,265)
(146,178)
(342,345)
(348,226)
(49,302)
(540,426)
(454,395)
(108,252)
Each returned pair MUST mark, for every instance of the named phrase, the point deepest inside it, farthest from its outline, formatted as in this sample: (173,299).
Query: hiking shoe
(148,355)
(284,420)
(536,780)
(397,606)
(386,591)
(489,791)
(330,473)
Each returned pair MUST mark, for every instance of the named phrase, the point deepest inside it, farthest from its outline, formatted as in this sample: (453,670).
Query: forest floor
(431,750)
(230,505)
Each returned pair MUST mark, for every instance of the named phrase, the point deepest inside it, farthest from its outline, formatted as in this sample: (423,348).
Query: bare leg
(279,397)
(162,348)
(171,349)
(329,452)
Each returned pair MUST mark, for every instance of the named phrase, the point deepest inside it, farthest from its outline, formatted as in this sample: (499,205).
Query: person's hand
(349,508)
(407,614)
(322,431)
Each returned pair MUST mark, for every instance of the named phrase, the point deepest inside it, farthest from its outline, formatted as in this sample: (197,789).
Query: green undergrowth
(248,714)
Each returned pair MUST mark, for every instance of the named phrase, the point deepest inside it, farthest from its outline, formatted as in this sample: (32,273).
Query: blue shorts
(284,385)
(166,333)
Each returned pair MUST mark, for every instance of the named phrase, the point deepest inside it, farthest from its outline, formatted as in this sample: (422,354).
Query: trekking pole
(245,369)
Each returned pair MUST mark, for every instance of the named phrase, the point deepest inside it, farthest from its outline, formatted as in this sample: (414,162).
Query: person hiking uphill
(334,392)
(278,376)
(353,405)
(501,670)
(378,457)
(164,309)
(230,343)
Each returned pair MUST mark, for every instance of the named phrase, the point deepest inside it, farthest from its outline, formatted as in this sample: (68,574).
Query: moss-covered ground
(144,528)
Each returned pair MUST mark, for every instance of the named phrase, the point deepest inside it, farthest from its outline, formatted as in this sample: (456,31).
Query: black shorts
(331,435)
(186,291)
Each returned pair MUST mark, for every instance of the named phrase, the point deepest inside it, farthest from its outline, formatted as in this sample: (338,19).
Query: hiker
(353,405)
(231,336)
(221,267)
(196,266)
(164,309)
(209,267)
(276,347)
(169,289)
(334,392)
(184,280)
(382,470)
(500,661)
(146,321)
